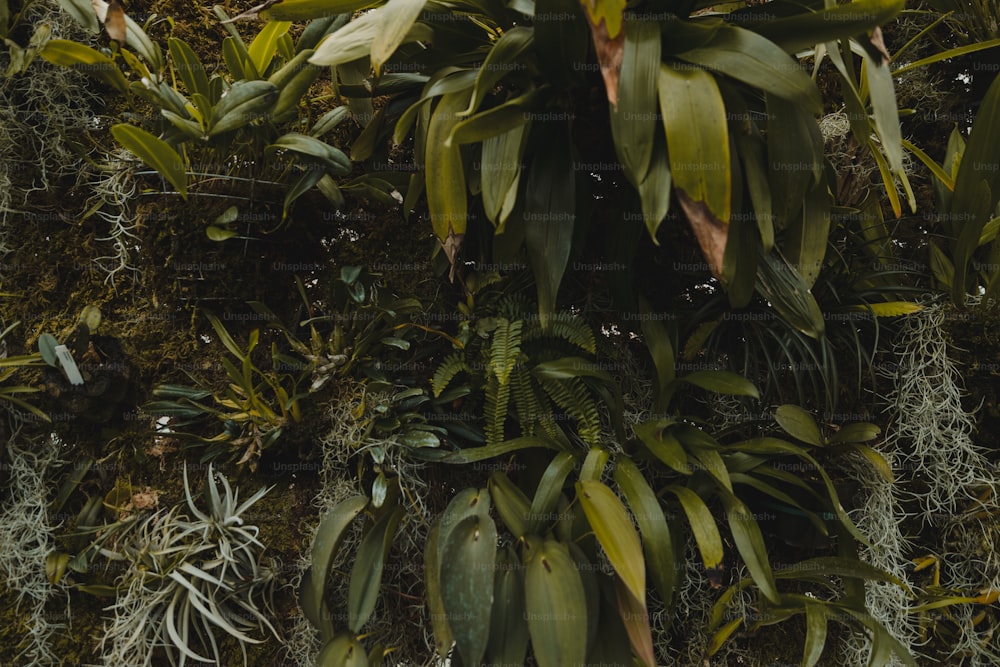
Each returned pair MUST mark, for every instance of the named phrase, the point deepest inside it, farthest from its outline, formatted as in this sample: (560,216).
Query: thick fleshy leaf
(155,152)
(293,79)
(245,101)
(366,573)
(722,382)
(795,156)
(263,46)
(694,120)
(499,62)
(606,18)
(663,444)
(398,16)
(446,191)
(329,535)
(555,606)
(799,424)
(633,120)
(654,190)
(500,172)
(512,505)
(750,543)
(81,10)
(510,115)
(303,10)
(443,637)
(468,561)
(313,150)
(188,66)
(550,212)
(657,544)
(543,505)
(355,40)
(509,636)
(746,56)
(614,531)
(67,53)
(806,236)
(885,111)
(796,33)
(706,533)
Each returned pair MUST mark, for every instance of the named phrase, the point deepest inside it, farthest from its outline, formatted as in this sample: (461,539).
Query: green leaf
(446,192)
(355,40)
(155,152)
(81,10)
(243,103)
(398,17)
(555,606)
(215,233)
(329,534)
(512,505)
(721,382)
(750,544)
(504,52)
(468,559)
(188,66)
(816,621)
(303,10)
(67,53)
(948,54)
(613,528)
(654,190)
(47,348)
(633,121)
(663,444)
(754,60)
(509,636)
(294,79)
(694,120)
(703,527)
(548,491)
(550,212)
(510,115)
(567,368)
(796,33)
(263,46)
(342,651)
(473,454)
(443,637)
(885,111)
(788,293)
(306,181)
(799,424)
(500,171)
(329,121)
(366,573)
(657,544)
(313,150)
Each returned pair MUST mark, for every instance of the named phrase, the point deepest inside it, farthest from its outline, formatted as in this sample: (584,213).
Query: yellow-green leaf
(613,528)
(67,53)
(155,152)
(262,47)
(446,192)
(397,17)
(703,527)
(694,119)
(555,606)
(799,424)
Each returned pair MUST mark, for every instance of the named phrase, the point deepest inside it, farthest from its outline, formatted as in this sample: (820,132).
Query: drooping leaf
(155,152)
(633,120)
(468,560)
(398,17)
(706,533)
(366,573)
(509,636)
(242,103)
(555,606)
(799,424)
(750,544)
(67,53)
(614,530)
(263,46)
(329,535)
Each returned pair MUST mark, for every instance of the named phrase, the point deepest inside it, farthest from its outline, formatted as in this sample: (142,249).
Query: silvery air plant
(188,579)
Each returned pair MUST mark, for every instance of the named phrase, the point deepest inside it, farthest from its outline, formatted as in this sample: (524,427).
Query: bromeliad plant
(246,122)
(254,410)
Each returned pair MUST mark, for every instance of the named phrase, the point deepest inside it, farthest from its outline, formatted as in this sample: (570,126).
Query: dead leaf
(609,56)
(712,234)
(451,247)
(112,15)
(876,40)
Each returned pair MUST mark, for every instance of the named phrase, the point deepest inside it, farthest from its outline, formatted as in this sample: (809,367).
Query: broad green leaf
(555,606)
(398,16)
(468,561)
(355,40)
(885,111)
(659,338)
(663,444)
(890,308)
(654,190)
(293,80)
(329,534)
(633,120)
(498,63)
(613,528)
(754,60)
(329,121)
(510,115)
(712,463)
(242,103)
(706,533)
(188,66)
(342,651)
(262,48)
(512,505)
(366,573)
(567,368)
(67,53)
(750,544)
(509,636)
(815,634)
(305,182)
(657,544)
(859,432)
(549,489)
(721,382)
(443,637)
(303,10)
(796,33)
(694,120)
(81,10)
(500,172)
(446,192)
(155,152)
(799,424)
(550,212)
(313,150)
(795,156)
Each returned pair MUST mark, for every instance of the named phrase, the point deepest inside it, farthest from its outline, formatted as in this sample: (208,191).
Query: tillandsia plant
(246,120)
(255,408)
(192,577)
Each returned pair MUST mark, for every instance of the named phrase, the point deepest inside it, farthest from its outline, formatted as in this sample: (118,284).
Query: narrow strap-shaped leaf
(706,533)
(613,528)
(155,152)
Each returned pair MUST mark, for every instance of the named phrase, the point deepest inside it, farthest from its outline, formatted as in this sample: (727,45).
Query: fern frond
(573,397)
(568,327)
(497,398)
(505,349)
(452,365)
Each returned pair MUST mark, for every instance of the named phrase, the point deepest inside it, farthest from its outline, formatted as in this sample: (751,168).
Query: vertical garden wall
(528,332)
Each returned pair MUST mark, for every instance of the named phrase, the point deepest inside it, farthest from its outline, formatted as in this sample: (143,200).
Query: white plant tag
(68,365)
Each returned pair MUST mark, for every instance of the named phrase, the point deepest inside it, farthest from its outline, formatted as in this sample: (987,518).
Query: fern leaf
(497,398)
(452,365)
(505,349)
(573,397)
